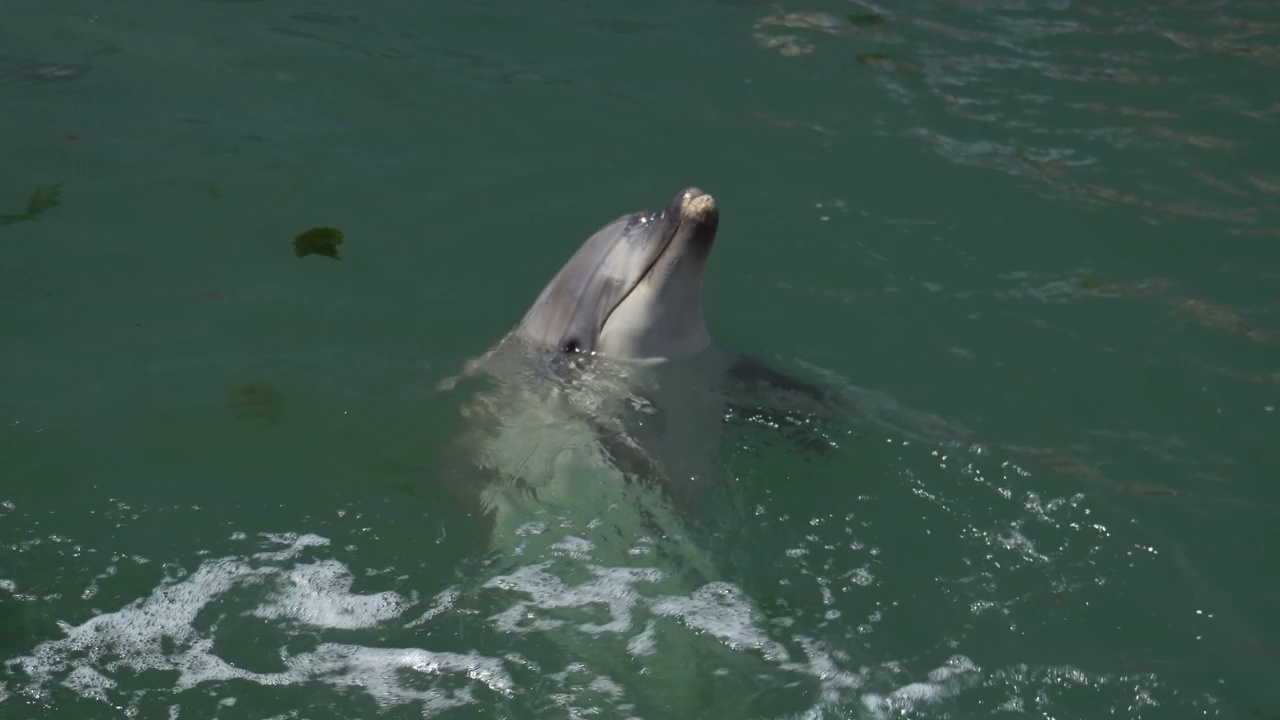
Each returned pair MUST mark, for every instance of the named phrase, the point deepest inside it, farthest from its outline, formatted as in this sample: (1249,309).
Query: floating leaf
(867,20)
(319,241)
(869,58)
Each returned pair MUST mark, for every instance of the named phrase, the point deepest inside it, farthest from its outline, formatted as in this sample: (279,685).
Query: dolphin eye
(570,346)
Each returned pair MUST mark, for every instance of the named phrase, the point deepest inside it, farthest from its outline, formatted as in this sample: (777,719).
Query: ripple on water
(176,631)
(1091,104)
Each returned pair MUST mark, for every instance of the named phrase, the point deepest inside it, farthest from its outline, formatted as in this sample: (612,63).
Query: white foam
(646,643)
(296,544)
(444,601)
(319,594)
(89,683)
(374,670)
(943,682)
(584,694)
(574,547)
(610,587)
(159,633)
(137,632)
(717,611)
(833,682)
(722,610)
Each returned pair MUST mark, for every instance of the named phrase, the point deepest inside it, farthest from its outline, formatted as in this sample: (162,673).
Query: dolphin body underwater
(592,423)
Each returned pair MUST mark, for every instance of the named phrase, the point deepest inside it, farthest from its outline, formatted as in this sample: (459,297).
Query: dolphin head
(633,291)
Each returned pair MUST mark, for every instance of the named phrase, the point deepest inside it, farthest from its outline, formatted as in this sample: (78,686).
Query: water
(1034,244)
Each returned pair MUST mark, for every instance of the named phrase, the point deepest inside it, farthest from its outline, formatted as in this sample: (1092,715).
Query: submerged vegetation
(42,200)
(258,400)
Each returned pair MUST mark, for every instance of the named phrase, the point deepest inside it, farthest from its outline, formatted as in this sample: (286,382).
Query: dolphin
(628,302)
(595,416)
(614,355)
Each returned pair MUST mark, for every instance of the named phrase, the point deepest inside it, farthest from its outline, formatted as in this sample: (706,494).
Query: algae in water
(318,241)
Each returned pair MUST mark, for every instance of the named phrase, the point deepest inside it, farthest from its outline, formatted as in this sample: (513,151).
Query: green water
(1034,244)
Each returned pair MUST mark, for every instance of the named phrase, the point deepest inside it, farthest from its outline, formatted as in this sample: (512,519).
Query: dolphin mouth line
(648,270)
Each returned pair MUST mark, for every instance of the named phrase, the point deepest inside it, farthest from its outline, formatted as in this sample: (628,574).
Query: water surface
(1034,245)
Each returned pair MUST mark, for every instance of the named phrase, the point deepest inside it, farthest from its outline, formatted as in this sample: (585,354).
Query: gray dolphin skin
(634,290)
(593,418)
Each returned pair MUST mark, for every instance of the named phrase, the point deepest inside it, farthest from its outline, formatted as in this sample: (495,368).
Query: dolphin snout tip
(690,194)
(697,205)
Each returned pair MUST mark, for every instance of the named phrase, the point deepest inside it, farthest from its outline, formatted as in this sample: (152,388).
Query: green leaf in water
(866,20)
(318,241)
